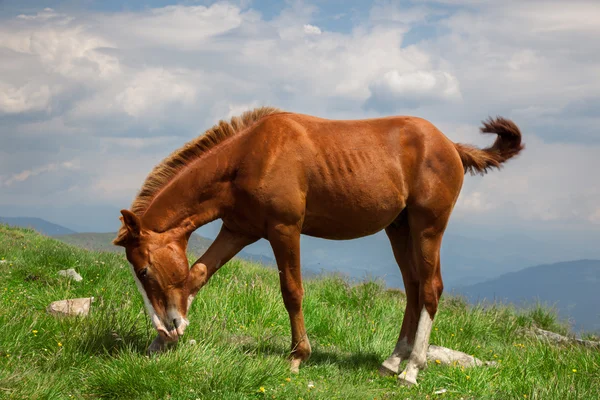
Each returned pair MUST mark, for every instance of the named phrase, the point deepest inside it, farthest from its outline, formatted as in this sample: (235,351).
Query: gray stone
(448,356)
(560,339)
(71,273)
(71,307)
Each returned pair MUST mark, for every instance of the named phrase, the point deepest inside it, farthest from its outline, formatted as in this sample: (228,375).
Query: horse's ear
(131,228)
(132,223)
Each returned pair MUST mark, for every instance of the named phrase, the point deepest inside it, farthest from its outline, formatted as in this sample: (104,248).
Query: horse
(276,175)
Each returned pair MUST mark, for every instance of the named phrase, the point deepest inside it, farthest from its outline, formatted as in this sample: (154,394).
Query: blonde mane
(164,172)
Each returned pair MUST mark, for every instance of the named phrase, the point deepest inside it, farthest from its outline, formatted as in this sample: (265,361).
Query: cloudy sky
(95,93)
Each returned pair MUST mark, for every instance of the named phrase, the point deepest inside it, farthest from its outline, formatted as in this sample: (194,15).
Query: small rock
(448,356)
(311,385)
(71,273)
(71,307)
(192,342)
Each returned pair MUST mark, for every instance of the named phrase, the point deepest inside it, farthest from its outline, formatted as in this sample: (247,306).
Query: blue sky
(95,93)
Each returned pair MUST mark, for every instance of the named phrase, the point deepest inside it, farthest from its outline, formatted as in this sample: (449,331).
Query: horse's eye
(143,273)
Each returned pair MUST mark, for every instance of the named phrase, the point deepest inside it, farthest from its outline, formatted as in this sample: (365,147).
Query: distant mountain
(465,260)
(573,287)
(38,224)
(197,245)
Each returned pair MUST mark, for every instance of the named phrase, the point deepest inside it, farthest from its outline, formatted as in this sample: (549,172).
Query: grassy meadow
(242,334)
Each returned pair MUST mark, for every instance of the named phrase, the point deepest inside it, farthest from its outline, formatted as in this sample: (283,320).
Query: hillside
(571,287)
(197,245)
(242,334)
(40,225)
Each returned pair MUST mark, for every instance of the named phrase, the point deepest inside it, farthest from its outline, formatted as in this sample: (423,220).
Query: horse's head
(161,272)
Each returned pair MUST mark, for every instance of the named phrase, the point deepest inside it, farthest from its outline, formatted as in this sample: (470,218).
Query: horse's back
(346,178)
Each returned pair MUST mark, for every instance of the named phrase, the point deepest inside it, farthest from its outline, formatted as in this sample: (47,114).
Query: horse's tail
(507,145)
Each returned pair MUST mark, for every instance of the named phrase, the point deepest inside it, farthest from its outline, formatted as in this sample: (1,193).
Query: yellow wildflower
(574,370)
(261,389)
(438,362)
(468,377)
(34,331)
(59,344)
(288,379)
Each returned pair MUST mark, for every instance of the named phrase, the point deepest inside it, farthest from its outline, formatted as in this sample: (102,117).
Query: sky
(93,94)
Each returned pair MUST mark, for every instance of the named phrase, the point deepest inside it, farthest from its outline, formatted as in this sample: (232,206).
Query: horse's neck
(195,196)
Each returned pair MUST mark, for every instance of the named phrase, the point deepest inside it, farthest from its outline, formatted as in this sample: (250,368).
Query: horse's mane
(164,172)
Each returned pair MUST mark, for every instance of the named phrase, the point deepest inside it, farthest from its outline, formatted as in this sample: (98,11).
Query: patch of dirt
(32,278)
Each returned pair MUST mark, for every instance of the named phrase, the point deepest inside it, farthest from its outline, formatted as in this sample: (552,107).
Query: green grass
(242,334)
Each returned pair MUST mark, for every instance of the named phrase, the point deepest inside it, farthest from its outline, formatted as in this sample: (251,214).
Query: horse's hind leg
(426,230)
(399,236)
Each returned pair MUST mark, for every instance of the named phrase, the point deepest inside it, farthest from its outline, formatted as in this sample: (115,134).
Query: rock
(71,273)
(560,339)
(192,342)
(71,307)
(447,356)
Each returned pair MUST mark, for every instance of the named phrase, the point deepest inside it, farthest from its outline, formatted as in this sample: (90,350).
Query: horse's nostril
(175,324)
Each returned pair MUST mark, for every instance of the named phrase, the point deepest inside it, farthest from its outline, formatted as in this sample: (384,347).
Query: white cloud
(413,88)
(547,182)
(312,30)
(184,27)
(29,173)
(64,48)
(152,89)
(26,98)
(595,217)
(44,15)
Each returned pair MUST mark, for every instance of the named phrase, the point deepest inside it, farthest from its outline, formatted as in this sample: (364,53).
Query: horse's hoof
(295,365)
(406,380)
(385,371)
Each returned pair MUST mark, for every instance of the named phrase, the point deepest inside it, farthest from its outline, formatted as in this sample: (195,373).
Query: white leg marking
(418,357)
(400,353)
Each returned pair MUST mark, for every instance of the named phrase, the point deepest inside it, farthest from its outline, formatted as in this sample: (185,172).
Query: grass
(242,334)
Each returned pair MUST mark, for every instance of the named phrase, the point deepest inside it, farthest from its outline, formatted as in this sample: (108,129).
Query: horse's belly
(351,214)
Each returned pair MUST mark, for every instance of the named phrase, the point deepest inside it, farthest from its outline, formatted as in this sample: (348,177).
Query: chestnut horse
(276,175)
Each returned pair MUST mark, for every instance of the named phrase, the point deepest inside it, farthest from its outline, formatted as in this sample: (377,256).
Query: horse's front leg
(285,241)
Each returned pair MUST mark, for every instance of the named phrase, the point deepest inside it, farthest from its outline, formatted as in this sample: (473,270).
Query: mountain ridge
(569,286)
(41,225)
